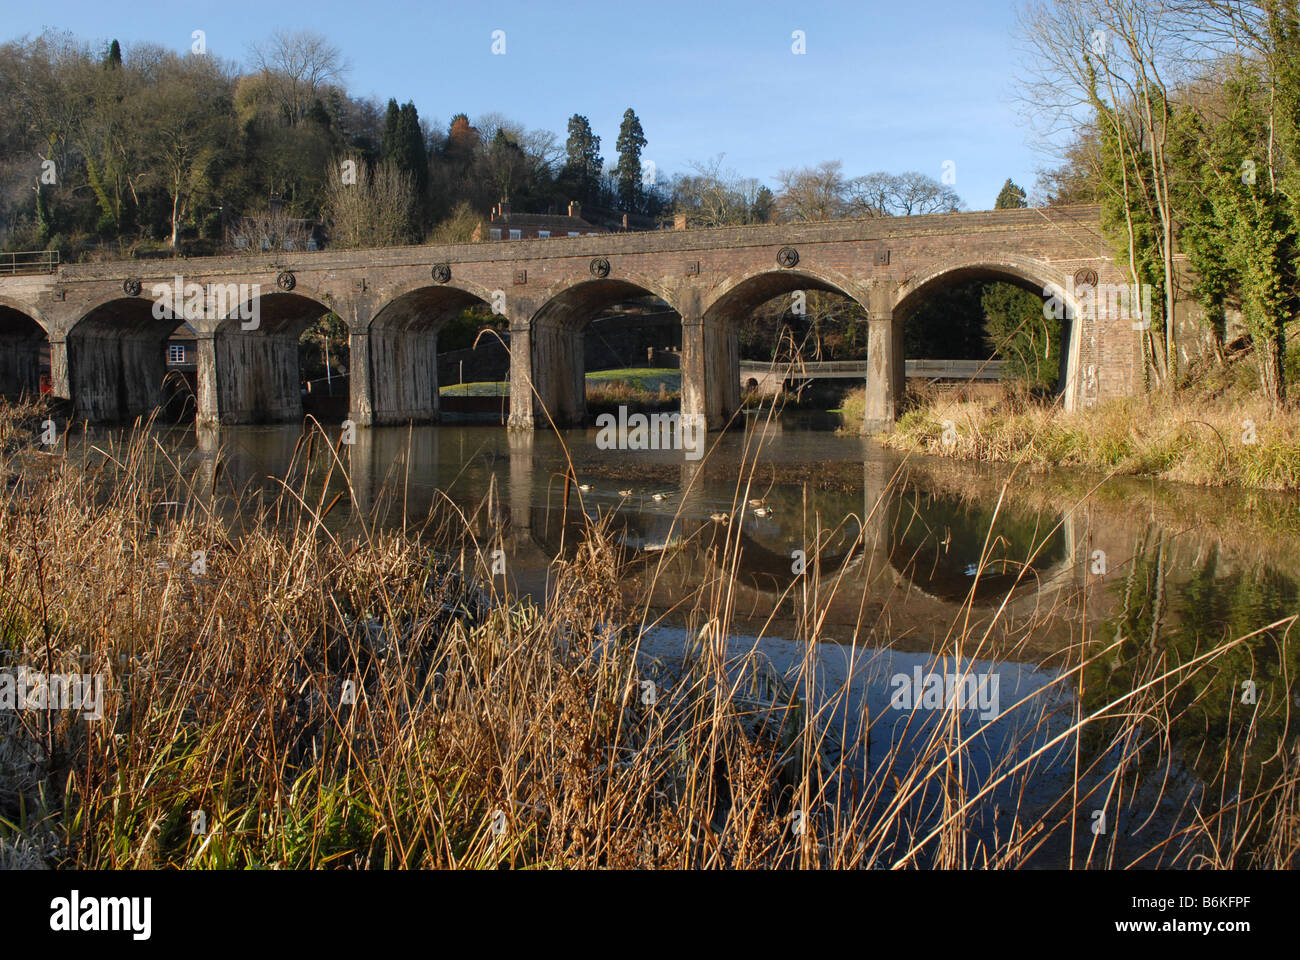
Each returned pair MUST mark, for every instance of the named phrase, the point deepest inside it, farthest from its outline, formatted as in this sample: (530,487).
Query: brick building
(504,225)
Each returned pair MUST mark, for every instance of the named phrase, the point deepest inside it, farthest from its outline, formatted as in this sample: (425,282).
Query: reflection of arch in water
(935,542)
(554,531)
(770,571)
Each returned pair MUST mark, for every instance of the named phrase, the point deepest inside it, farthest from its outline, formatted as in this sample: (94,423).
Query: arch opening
(763,333)
(602,344)
(24,356)
(404,354)
(984,327)
(258,363)
(117,360)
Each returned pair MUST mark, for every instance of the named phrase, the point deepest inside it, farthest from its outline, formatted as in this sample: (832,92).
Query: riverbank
(1189,437)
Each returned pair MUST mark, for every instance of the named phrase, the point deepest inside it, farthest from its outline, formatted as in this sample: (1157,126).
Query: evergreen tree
(414,156)
(1010,197)
(404,146)
(583,162)
(113,58)
(390,143)
(1028,343)
(506,165)
(631,140)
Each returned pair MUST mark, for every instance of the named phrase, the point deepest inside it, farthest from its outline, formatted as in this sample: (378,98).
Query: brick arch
(584,291)
(29,310)
(744,291)
(116,362)
(457,287)
(556,332)
(24,337)
(278,312)
(401,353)
(1028,273)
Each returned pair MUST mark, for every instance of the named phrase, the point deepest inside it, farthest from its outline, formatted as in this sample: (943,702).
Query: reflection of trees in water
(1169,614)
(937,541)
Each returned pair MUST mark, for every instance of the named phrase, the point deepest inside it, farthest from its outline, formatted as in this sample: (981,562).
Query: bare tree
(714,196)
(1114,61)
(375,211)
(898,195)
(811,193)
(870,195)
(297,66)
(268,230)
(188,130)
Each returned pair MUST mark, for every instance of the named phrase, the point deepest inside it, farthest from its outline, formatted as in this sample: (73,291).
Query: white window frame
(175,353)
(543,234)
(574,233)
(494,233)
(516,234)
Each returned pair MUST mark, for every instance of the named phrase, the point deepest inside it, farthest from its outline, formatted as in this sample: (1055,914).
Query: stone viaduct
(106,336)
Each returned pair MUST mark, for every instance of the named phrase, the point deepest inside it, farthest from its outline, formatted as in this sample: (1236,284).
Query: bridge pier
(360,409)
(694,402)
(521,377)
(208,404)
(403,374)
(710,373)
(885,369)
(60,385)
(258,378)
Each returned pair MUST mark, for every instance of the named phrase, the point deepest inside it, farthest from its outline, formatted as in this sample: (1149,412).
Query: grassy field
(645,379)
(635,383)
(482,388)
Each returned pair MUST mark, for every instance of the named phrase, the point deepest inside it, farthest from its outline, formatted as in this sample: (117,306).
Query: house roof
(544,221)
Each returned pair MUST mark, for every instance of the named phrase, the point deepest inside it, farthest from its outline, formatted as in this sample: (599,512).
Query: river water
(1042,596)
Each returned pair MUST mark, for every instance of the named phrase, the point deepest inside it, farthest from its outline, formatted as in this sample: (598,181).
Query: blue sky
(883,86)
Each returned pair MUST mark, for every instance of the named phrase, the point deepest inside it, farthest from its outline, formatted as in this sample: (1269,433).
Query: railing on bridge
(953,369)
(29,261)
(844,369)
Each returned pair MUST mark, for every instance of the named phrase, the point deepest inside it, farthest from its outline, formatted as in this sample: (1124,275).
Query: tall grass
(1196,436)
(324,695)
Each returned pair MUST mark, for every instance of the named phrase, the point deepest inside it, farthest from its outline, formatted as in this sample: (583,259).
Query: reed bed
(316,694)
(1184,437)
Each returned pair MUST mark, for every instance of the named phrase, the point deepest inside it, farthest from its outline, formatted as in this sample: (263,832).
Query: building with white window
(504,225)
